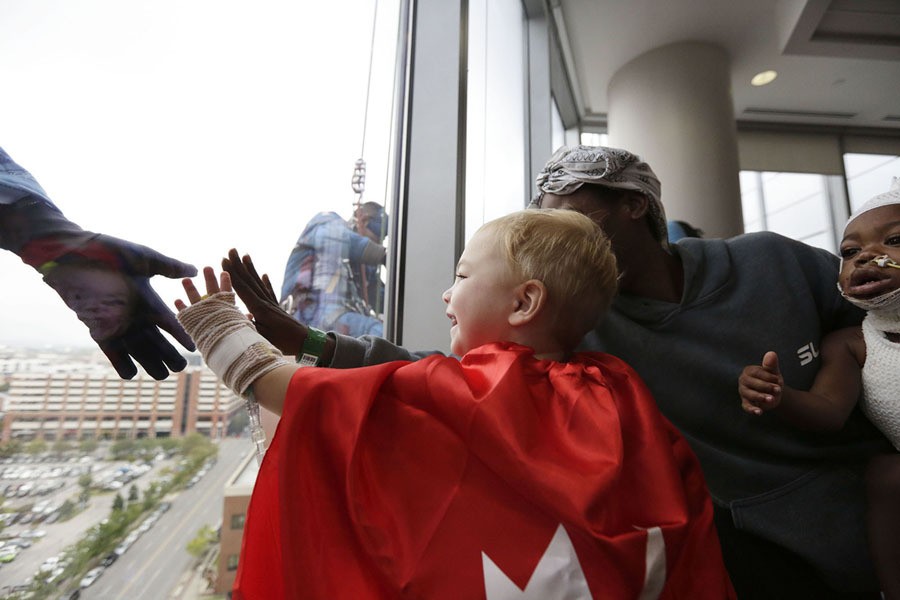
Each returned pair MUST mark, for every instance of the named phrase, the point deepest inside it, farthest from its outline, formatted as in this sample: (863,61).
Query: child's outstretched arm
(230,344)
(828,403)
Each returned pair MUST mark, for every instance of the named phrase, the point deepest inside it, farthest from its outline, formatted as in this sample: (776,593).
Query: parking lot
(40,490)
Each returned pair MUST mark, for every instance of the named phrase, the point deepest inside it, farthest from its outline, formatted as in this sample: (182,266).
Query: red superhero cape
(479,478)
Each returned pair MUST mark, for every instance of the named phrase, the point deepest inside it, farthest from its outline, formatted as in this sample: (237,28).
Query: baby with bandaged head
(521,465)
(856,360)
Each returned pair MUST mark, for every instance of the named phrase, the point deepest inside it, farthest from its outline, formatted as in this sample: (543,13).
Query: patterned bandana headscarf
(571,167)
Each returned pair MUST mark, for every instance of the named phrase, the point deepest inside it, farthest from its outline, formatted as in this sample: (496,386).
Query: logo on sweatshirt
(807,353)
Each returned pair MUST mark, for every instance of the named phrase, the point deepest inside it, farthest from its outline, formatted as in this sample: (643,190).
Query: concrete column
(673,107)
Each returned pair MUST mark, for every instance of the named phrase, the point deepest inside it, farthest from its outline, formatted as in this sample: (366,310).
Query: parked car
(109,559)
(90,577)
(8,554)
(33,533)
(49,564)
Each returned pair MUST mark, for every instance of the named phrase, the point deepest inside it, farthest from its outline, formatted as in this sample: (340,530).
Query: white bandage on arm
(229,342)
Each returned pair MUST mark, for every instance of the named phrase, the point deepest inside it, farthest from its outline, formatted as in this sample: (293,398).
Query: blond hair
(570,255)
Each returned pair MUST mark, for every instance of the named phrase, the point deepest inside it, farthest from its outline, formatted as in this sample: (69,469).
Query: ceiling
(838,61)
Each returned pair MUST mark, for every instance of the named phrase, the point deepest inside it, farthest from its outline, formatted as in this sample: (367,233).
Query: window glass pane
(190,127)
(594,139)
(796,205)
(751,201)
(558,130)
(495,116)
(869,175)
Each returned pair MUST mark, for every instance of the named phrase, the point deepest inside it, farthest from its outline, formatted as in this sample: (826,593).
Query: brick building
(234,513)
(98,404)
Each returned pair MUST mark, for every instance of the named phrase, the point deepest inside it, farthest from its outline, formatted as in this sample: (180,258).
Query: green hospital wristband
(313,346)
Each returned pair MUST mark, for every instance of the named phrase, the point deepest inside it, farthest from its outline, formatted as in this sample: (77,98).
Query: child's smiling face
(870,235)
(482,295)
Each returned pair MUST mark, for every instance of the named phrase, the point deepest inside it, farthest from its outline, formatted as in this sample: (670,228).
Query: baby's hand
(760,386)
(212,287)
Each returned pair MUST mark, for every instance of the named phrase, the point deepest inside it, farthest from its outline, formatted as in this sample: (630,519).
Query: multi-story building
(234,513)
(97,404)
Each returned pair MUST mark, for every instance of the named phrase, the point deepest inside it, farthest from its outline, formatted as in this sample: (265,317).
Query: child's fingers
(761,374)
(758,398)
(212,285)
(759,389)
(192,294)
(750,407)
(225,281)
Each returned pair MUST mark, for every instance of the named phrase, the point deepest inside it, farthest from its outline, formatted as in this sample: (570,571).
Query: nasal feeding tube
(885,261)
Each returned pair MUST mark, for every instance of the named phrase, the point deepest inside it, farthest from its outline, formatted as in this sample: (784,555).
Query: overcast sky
(190,126)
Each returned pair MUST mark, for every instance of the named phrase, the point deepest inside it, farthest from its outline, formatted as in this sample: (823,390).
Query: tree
(118,503)
(66,509)
(205,537)
(88,445)
(132,493)
(194,443)
(36,446)
(123,449)
(10,448)
(60,447)
(84,482)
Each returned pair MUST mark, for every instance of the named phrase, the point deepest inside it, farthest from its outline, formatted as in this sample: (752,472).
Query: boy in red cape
(523,470)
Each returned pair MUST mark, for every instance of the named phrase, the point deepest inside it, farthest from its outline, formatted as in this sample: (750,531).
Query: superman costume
(497,476)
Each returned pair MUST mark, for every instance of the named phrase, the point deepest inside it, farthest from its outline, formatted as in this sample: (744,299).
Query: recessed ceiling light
(763,78)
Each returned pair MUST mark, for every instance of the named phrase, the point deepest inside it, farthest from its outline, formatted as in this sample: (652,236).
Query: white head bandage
(890,197)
